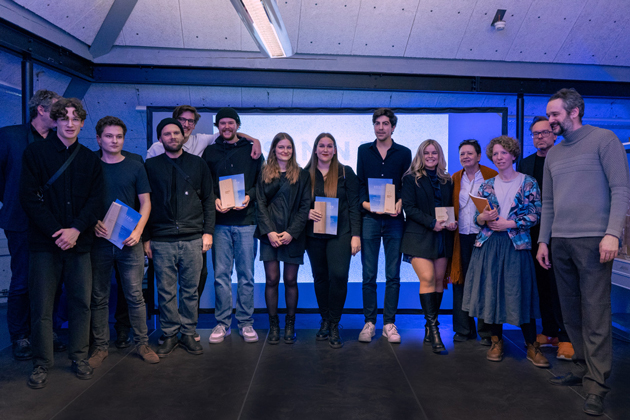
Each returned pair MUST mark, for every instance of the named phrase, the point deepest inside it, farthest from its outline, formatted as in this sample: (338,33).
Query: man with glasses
(553,332)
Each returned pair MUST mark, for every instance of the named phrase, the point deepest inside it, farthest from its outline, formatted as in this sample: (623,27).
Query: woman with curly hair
(283,196)
(428,243)
(500,284)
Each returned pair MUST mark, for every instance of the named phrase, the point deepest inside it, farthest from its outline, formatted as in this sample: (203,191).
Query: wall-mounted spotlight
(498,22)
(264,23)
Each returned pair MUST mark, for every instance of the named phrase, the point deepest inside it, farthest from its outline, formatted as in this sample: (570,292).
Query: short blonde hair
(508,143)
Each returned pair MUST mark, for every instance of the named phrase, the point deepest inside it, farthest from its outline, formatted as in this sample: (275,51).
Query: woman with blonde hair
(330,254)
(427,243)
(283,196)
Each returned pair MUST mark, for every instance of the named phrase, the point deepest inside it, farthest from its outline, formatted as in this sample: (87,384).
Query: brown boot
(535,356)
(148,355)
(96,360)
(495,354)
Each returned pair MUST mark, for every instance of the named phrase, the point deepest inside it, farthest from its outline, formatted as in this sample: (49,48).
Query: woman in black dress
(427,243)
(283,196)
(330,254)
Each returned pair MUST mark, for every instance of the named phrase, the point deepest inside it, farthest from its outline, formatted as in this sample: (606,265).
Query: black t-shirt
(124,181)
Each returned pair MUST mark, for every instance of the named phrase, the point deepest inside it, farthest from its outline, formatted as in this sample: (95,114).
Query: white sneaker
(367,333)
(249,334)
(219,333)
(391,332)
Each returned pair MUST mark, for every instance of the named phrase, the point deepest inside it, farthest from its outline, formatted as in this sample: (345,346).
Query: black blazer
(419,238)
(271,214)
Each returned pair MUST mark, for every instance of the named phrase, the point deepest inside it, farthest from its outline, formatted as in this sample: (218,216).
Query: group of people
(62,191)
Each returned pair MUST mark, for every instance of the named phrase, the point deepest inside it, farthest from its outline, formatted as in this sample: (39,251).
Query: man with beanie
(179,231)
(234,231)
(585,200)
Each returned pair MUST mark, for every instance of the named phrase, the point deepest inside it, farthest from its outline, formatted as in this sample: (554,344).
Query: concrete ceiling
(367,35)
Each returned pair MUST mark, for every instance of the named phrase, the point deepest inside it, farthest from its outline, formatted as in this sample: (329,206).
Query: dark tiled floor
(308,380)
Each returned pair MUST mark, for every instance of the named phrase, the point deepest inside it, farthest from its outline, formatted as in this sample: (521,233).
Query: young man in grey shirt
(585,199)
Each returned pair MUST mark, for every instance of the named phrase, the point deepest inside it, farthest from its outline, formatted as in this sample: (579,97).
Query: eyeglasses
(186,120)
(544,133)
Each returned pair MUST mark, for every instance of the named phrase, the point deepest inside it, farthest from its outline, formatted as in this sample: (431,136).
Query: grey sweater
(586,186)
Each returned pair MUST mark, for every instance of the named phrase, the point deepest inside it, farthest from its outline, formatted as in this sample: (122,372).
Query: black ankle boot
(324,330)
(430,307)
(289,329)
(334,339)
(425,304)
(274,329)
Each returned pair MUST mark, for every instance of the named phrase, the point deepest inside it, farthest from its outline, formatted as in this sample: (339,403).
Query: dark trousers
(46,271)
(122,309)
(18,303)
(550,312)
(462,323)
(584,288)
(330,263)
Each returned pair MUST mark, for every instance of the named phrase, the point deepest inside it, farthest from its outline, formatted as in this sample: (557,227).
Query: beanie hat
(227,113)
(167,121)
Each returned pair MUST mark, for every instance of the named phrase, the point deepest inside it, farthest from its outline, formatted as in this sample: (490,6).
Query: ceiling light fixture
(264,23)
(498,22)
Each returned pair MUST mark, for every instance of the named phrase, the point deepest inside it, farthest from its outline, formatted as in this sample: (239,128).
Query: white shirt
(506,192)
(195,145)
(466,206)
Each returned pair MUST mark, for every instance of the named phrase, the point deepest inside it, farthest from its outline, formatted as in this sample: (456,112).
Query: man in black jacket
(234,232)
(60,214)
(180,228)
(13,142)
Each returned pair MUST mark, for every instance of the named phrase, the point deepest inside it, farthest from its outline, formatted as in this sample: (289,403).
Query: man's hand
(438,226)
(206,240)
(542,256)
(608,248)
(66,238)
(285,238)
(355,245)
(134,238)
(217,204)
(100,230)
(398,208)
(256,149)
(451,226)
(147,250)
(244,205)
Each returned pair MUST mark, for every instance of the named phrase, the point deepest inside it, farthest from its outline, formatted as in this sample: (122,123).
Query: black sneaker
(334,340)
(123,340)
(58,345)
(82,369)
(22,349)
(324,330)
(190,345)
(38,377)
(168,345)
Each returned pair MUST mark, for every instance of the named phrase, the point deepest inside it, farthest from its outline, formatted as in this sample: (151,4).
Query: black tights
(272,275)
(528,329)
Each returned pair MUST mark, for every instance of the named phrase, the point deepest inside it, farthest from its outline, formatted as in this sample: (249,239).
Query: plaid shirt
(525,211)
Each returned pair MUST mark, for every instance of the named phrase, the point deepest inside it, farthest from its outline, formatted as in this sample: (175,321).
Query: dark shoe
(594,405)
(148,355)
(38,377)
(82,369)
(289,329)
(535,356)
(324,330)
(430,302)
(58,345)
(123,340)
(485,341)
(334,339)
(495,354)
(22,349)
(460,337)
(567,380)
(274,329)
(189,344)
(96,359)
(161,340)
(167,347)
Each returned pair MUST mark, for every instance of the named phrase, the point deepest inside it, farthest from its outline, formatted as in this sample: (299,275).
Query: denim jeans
(130,264)
(234,246)
(171,260)
(390,230)
(46,271)
(18,303)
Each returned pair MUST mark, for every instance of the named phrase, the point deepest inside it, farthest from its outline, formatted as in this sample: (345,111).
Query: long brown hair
(417,165)
(330,180)
(271,170)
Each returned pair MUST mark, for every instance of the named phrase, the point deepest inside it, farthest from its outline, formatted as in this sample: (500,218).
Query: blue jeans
(234,246)
(171,260)
(391,231)
(130,264)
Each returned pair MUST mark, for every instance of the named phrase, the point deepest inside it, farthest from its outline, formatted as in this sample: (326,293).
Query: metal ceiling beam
(350,81)
(77,88)
(111,27)
(21,42)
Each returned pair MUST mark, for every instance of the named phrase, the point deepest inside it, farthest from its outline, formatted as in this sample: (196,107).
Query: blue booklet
(238,185)
(126,221)
(376,190)
(332,214)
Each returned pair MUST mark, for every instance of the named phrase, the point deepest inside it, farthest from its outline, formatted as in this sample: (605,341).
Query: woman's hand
(274,239)
(355,245)
(314,215)
(501,224)
(488,215)
(285,238)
